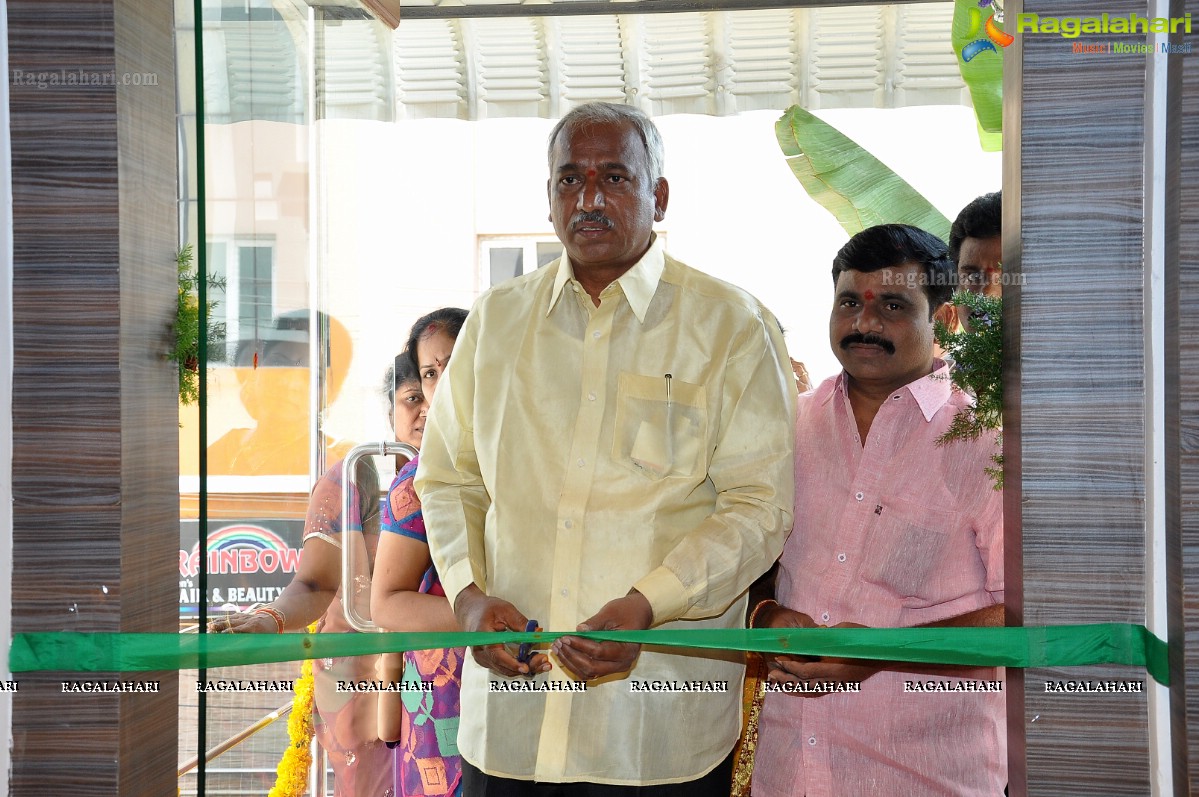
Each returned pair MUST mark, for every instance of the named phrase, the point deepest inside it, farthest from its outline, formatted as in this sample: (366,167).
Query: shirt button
(812,740)
(591,396)
(840,557)
(595,334)
(565,592)
(568,524)
(824,617)
(580,463)
(859,496)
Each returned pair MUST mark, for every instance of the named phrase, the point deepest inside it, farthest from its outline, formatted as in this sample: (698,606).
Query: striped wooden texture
(94,411)
(1081,475)
(1182,417)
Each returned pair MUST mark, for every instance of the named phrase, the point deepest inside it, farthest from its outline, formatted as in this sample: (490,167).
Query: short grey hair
(594,113)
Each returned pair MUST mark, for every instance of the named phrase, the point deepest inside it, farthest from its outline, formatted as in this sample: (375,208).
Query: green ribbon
(1035,646)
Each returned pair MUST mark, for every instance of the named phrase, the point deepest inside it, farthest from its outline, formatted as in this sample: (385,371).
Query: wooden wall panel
(1182,411)
(147,169)
(1081,395)
(95,432)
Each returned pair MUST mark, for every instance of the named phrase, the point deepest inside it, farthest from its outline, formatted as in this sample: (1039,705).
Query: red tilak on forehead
(591,172)
(869,296)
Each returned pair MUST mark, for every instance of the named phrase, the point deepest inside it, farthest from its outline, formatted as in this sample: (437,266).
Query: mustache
(867,340)
(591,217)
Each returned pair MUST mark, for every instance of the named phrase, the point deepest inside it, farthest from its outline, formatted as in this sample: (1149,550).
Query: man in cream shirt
(611,448)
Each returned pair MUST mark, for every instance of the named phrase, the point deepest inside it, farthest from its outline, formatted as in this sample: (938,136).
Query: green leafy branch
(185,352)
(977,352)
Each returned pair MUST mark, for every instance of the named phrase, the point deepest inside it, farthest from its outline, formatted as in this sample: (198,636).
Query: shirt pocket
(661,425)
(912,546)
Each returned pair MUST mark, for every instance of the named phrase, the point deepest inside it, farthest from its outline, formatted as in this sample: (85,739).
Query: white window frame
(488,243)
(227,309)
(527,242)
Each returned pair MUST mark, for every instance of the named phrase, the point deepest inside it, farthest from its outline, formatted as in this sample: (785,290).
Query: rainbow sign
(248,562)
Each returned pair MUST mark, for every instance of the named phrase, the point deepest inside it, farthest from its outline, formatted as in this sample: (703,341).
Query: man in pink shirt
(891,530)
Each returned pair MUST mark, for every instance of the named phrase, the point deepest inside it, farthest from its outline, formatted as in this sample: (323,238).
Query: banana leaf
(978,43)
(856,187)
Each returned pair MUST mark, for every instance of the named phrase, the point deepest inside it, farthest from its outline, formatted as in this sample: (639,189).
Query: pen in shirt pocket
(669,421)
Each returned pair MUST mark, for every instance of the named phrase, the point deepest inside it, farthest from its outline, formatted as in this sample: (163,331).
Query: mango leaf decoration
(978,43)
(856,187)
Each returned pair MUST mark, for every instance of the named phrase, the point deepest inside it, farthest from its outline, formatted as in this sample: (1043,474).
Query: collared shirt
(896,533)
(574,452)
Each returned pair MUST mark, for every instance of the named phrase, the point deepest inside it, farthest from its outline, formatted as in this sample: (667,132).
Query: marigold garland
(292,780)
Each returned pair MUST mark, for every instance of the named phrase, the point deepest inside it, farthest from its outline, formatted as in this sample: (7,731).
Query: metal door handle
(380,449)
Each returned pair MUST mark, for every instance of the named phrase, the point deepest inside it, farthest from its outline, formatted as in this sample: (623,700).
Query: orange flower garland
(292,780)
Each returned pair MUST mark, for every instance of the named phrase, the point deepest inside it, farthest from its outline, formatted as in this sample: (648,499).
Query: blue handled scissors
(525,652)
